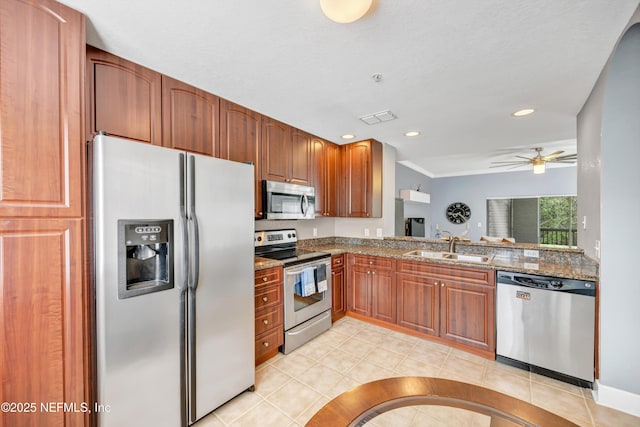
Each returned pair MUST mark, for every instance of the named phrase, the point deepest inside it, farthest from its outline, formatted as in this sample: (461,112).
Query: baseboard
(617,399)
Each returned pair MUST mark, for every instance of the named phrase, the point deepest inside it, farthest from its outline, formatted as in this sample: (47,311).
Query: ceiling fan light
(538,166)
(345,11)
(524,112)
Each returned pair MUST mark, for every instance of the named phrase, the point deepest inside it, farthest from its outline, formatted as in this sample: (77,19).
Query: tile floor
(291,388)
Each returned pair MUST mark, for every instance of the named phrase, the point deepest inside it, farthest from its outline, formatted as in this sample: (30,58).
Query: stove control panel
(275,237)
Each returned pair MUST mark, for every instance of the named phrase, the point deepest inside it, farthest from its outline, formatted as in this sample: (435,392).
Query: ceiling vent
(382,116)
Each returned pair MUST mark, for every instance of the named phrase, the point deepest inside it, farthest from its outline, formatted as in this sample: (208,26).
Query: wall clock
(458,213)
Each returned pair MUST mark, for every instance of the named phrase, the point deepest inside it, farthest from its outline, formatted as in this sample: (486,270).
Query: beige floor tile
(358,347)
(385,358)
(372,336)
(432,346)
(294,363)
(608,417)
(395,417)
(507,383)
(269,379)
(332,338)
(366,372)
(494,365)
(436,358)
(341,361)
(557,384)
(464,368)
(468,356)
(306,415)
(455,416)
(348,326)
(345,384)
(293,398)
(321,378)
(264,414)
(413,367)
(234,409)
(210,420)
(560,402)
(316,350)
(397,345)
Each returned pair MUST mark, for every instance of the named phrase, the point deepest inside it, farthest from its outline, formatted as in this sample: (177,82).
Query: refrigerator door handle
(183,223)
(193,219)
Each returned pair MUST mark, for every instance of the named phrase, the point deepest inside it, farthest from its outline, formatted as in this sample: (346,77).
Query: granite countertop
(558,262)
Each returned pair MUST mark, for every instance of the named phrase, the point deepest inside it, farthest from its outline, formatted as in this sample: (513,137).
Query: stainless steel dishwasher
(546,325)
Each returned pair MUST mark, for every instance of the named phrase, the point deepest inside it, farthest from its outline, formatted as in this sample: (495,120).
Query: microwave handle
(304,204)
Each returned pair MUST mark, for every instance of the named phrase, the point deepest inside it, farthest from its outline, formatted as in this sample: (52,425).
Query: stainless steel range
(307,285)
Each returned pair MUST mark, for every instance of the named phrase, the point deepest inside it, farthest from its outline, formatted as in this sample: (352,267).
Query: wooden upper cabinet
(286,153)
(325,175)
(240,136)
(276,140)
(300,157)
(41,109)
(362,173)
(123,99)
(189,117)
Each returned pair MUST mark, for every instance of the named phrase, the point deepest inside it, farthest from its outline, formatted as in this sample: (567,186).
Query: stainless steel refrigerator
(173,283)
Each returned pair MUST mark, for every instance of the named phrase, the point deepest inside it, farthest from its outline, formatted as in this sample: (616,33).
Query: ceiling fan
(538,161)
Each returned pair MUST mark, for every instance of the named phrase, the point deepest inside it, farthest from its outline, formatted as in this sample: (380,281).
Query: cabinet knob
(370,262)
(437,284)
(373,272)
(368,272)
(264,279)
(266,344)
(265,321)
(265,299)
(442,284)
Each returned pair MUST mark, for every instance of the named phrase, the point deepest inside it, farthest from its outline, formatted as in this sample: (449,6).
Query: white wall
(609,149)
(475,189)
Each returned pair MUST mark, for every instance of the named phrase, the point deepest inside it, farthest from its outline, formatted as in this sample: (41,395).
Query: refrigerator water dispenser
(145,257)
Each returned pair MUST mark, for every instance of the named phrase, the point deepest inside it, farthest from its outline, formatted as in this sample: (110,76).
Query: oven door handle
(296,272)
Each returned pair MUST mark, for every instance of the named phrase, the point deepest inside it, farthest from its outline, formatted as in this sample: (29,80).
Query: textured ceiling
(454,70)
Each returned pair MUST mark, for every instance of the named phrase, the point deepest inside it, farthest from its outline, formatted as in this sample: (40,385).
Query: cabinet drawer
(269,341)
(268,276)
(379,263)
(268,296)
(268,320)
(337,261)
(448,272)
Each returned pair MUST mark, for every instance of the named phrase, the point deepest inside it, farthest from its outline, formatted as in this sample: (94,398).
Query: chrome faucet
(452,243)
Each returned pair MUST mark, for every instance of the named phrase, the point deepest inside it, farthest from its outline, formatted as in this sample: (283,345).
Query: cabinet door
(276,143)
(339,303)
(383,296)
(300,158)
(332,179)
(41,109)
(41,318)
(189,117)
(467,314)
(123,99)
(319,173)
(359,290)
(362,169)
(240,141)
(418,303)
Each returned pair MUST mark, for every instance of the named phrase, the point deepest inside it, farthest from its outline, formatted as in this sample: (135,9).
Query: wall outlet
(366,232)
(531,253)
(315,232)
(597,248)
(584,222)
(479,225)
(378,232)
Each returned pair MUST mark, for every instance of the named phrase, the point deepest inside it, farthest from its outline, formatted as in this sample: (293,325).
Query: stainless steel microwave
(288,201)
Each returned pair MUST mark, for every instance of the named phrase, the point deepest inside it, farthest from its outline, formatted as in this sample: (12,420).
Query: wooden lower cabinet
(371,287)
(268,313)
(42,318)
(338,288)
(453,303)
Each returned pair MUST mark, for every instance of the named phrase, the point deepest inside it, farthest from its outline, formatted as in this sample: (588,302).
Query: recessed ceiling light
(347,136)
(412,133)
(523,112)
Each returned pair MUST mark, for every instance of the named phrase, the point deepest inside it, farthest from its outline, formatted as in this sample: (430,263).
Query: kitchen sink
(450,256)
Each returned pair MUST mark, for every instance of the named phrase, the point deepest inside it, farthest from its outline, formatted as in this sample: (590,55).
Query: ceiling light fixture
(345,11)
(347,136)
(538,165)
(523,112)
(412,133)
